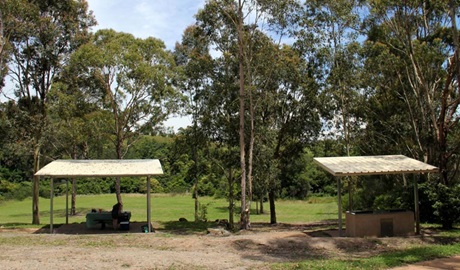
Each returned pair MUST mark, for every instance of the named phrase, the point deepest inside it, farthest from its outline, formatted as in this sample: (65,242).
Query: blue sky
(165,20)
(161,19)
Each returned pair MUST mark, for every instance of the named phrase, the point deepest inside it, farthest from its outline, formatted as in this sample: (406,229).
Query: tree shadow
(293,248)
(185,227)
(321,242)
(79,228)
(62,212)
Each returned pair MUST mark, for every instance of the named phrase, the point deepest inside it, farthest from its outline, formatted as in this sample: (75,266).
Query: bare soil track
(75,247)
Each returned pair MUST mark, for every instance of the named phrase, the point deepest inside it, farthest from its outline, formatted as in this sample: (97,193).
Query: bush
(155,186)
(15,191)
(446,203)
(23,191)
(95,185)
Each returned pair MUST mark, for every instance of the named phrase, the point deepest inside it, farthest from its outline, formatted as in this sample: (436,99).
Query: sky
(162,19)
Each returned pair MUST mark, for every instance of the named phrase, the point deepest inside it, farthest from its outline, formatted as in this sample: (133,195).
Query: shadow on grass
(237,211)
(287,248)
(56,213)
(185,227)
(169,227)
(79,228)
(25,227)
(14,225)
(224,209)
(62,212)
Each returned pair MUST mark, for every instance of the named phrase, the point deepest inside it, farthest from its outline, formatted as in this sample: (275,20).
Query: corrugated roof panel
(109,168)
(373,165)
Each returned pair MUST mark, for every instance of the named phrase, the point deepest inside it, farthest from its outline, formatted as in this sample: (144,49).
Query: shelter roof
(109,167)
(373,165)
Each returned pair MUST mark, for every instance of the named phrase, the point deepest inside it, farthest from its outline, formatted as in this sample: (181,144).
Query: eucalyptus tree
(77,124)
(248,60)
(225,164)
(294,107)
(2,51)
(227,25)
(223,21)
(327,33)
(413,58)
(194,62)
(211,83)
(333,26)
(41,36)
(133,79)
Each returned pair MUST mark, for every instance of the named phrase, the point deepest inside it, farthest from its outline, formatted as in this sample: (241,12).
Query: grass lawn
(167,209)
(383,261)
(164,208)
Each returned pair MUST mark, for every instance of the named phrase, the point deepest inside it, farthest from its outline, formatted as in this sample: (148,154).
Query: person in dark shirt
(116,214)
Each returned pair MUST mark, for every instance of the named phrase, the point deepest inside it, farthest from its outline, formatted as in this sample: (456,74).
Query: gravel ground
(75,247)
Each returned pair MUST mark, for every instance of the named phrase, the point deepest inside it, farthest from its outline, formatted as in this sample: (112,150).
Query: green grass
(313,210)
(165,208)
(383,261)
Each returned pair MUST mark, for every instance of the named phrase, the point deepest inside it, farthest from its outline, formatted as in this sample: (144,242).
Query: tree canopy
(268,86)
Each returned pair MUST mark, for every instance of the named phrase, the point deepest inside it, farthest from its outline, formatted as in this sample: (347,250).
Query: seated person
(116,214)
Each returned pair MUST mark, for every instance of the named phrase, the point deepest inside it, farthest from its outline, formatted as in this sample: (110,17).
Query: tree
(419,42)
(42,35)
(77,125)
(230,15)
(248,78)
(295,107)
(2,49)
(337,22)
(133,79)
(219,21)
(194,60)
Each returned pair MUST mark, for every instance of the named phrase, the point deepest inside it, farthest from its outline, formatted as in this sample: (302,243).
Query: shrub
(446,203)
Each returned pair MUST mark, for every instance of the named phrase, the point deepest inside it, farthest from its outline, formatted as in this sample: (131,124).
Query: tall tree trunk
(262,205)
(231,204)
(250,153)
(73,207)
(244,210)
(73,203)
(271,198)
(197,203)
(2,42)
(117,189)
(36,187)
(195,160)
(118,179)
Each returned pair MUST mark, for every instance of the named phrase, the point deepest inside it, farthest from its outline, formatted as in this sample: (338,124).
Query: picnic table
(96,219)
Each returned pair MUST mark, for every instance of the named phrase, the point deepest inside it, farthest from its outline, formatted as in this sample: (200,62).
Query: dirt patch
(75,247)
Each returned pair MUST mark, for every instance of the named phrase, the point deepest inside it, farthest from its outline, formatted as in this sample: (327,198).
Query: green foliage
(446,203)
(203,212)
(207,186)
(14,191)
(14,176)
(414,73)
(294,175)
(379,193)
